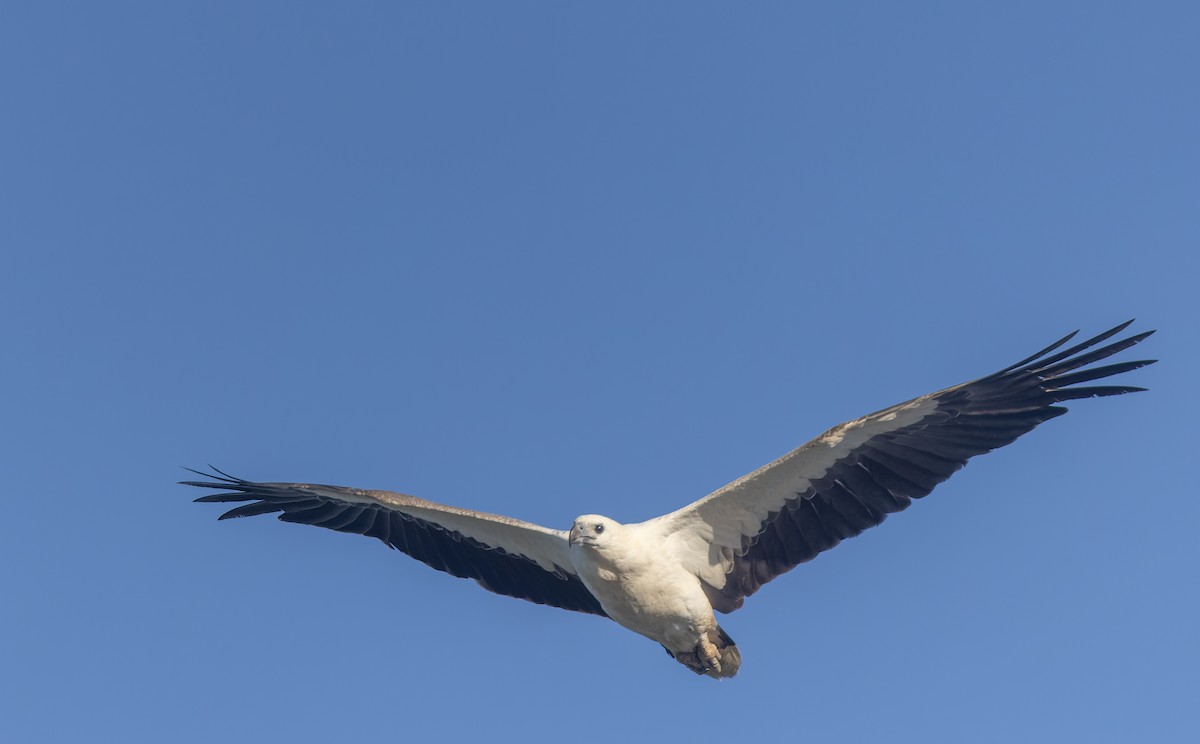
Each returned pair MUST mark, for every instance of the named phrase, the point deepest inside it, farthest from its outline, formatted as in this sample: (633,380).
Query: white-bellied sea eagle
(664,577)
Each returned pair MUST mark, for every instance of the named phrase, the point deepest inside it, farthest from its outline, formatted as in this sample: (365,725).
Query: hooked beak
(573,536)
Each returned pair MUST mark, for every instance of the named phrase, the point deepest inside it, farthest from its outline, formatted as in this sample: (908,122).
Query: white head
(593,531)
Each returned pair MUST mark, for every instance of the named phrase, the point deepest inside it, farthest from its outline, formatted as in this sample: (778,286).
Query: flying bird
(665,577)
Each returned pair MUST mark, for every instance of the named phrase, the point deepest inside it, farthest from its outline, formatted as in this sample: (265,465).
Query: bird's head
(593,531)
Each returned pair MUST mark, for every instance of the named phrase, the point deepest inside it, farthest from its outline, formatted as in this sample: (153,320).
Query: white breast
(642,587)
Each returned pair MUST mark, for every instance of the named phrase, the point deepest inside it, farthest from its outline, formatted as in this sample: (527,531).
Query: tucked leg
(708,655)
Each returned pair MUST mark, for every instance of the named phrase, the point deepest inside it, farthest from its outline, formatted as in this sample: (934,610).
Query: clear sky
(545,259)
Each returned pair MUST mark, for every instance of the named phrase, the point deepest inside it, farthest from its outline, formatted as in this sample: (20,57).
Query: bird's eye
(599,529)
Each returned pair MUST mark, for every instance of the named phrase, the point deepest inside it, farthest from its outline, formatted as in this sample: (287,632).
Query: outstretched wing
(504,555)
(852,476)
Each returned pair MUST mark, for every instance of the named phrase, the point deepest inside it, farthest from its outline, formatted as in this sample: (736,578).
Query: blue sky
(545,259)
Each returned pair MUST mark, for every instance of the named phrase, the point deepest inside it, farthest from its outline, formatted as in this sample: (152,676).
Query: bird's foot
(708,655)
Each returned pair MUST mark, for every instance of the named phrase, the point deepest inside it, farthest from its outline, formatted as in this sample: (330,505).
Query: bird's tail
(731,658)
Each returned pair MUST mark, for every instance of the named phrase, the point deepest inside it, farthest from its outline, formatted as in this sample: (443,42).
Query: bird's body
(637,576)
(665,577)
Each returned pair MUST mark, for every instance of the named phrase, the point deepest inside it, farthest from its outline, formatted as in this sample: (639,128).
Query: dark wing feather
(852,477)
(504,555)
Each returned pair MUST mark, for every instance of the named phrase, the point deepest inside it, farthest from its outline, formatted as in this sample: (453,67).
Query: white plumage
(664,578)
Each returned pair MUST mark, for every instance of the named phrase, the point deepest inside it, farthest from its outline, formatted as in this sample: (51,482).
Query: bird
(664,578)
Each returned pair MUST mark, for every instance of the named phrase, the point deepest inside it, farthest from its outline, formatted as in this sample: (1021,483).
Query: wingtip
(223,474)
(216,474)
(1139,336)
(193,471)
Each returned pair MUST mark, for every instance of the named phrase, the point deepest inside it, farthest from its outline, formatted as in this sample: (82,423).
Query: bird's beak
(573,536)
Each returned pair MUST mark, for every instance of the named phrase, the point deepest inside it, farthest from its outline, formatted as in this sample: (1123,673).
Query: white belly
(668,606)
